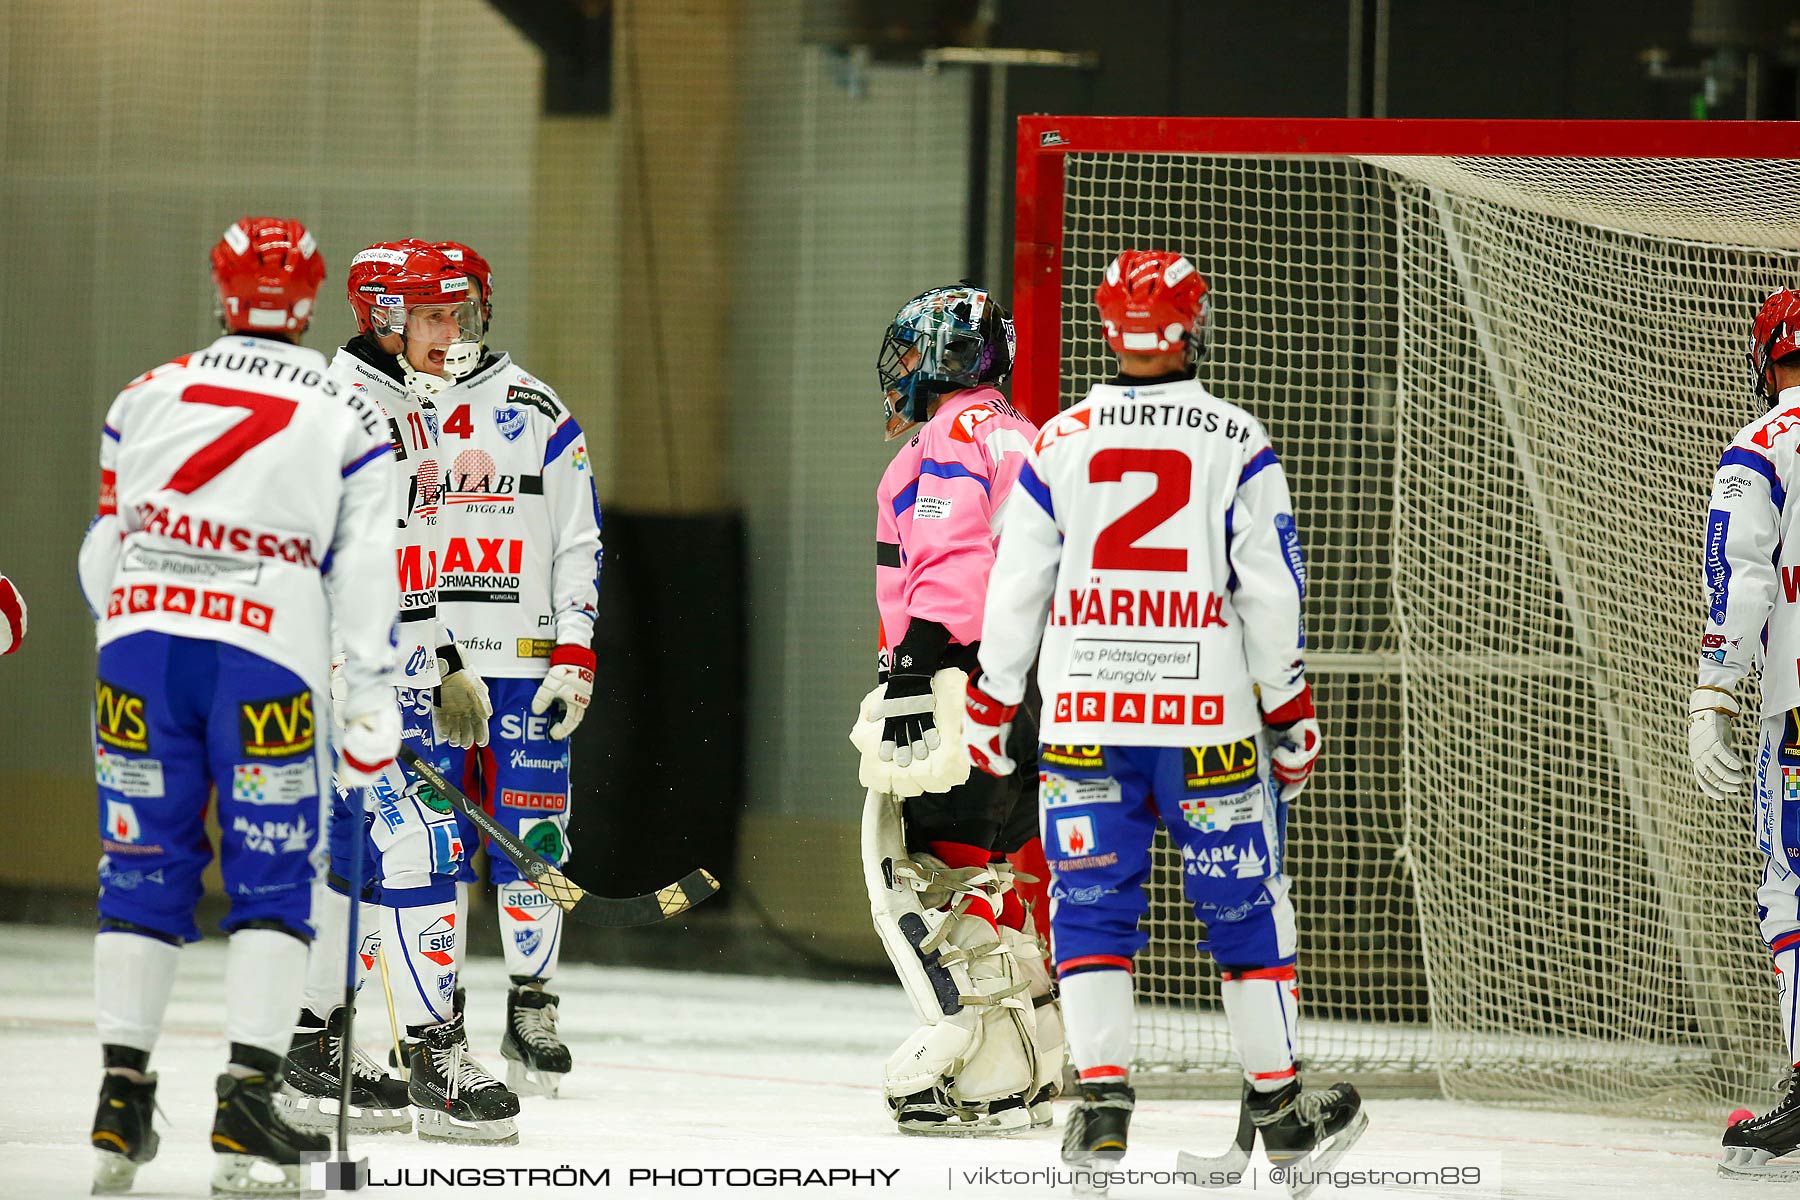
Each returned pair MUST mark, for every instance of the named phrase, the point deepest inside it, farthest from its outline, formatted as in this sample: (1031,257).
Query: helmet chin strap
(459,359)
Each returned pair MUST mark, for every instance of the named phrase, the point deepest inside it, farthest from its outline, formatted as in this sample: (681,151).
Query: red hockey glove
(986,723)
(1296,744)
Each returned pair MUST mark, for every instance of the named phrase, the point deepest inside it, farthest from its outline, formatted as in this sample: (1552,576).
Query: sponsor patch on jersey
(273,783)
(1080,895)
(545,836)
(535,647)
(1062,791)
(510,422)
(535,399)
(190,566)
(1075,835)
(139,778)
(1718,570)
(1064,425)
(120,718)
(534,801)
(578,459)
(277,728)
(1214,814)
(1220,768)
(963,428)
(1790,738)
(122,822)
(931,508)
(437,941)
(274,837)
(1082,758)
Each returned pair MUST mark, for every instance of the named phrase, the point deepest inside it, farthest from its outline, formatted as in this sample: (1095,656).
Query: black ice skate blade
(1746,1162)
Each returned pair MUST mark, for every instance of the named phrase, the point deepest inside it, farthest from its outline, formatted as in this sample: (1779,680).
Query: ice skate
(310,1084)
(123,1139)
(536,1059)
(1094,1137)
(1767,1147)
(456,1100)
(255,1152)
(399,1057)
(1306,1131)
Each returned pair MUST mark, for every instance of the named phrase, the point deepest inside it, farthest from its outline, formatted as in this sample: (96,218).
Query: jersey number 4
(1117,549)
(268,416)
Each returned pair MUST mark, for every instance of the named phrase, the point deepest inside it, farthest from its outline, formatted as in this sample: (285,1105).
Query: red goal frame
(1043,141)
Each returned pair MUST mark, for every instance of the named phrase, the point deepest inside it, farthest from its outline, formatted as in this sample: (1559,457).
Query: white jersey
(237,485)
(418,489)
(1154,549)
(522,540)
(1752,561)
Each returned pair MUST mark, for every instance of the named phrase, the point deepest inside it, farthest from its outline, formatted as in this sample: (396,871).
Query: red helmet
(478,270)
(268,269)
(387,278)
(1775,335)
(1150,301)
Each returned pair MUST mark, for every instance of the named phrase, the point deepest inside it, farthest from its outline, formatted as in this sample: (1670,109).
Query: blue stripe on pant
(176,718)
(1100,807)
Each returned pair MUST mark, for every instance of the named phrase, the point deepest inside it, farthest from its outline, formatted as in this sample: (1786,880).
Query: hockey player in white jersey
(518,584)
(216,596)
(1154,554)
(417,327)
(1752,569)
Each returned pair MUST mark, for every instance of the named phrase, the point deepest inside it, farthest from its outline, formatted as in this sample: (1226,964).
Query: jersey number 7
(1117,549)
(268,416)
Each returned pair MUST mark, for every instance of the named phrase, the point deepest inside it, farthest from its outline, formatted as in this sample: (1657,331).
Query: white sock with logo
(325,959)
(133,975)
(530,930)
(420,944)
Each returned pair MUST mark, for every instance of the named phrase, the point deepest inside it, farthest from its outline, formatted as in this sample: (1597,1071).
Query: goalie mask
(941,341)
(1774,336)
(1152,301)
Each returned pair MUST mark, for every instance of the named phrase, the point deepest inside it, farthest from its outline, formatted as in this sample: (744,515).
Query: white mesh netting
(1500,387)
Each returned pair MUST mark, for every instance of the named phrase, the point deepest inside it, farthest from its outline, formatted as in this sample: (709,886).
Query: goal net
(1499,361)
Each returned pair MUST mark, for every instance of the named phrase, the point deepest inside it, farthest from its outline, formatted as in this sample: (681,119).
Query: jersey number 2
(268,416)
(1117,549)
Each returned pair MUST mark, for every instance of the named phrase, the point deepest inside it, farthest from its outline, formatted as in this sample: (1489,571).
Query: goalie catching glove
(570,681)
(986,725)
(1717,768)
(460,707)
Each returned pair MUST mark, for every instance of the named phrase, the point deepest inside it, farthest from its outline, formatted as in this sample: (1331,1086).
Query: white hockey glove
(570,681)
(12,616)
(1295,744)
(371,737)
(986,724)
(460,708)
(1717,768)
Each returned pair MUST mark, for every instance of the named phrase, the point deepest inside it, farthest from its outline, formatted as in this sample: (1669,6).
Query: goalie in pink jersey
(936,841)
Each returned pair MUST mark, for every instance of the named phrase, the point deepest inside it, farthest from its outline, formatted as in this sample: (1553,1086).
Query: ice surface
(696,1072)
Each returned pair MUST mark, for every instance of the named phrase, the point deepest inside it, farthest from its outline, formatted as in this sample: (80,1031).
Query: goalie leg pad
(976,1043)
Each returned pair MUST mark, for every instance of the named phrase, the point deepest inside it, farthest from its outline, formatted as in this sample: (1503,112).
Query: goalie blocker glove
(908,729)
(987,723)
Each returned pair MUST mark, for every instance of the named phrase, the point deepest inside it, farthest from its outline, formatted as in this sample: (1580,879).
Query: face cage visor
(928,355)
(454,328)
